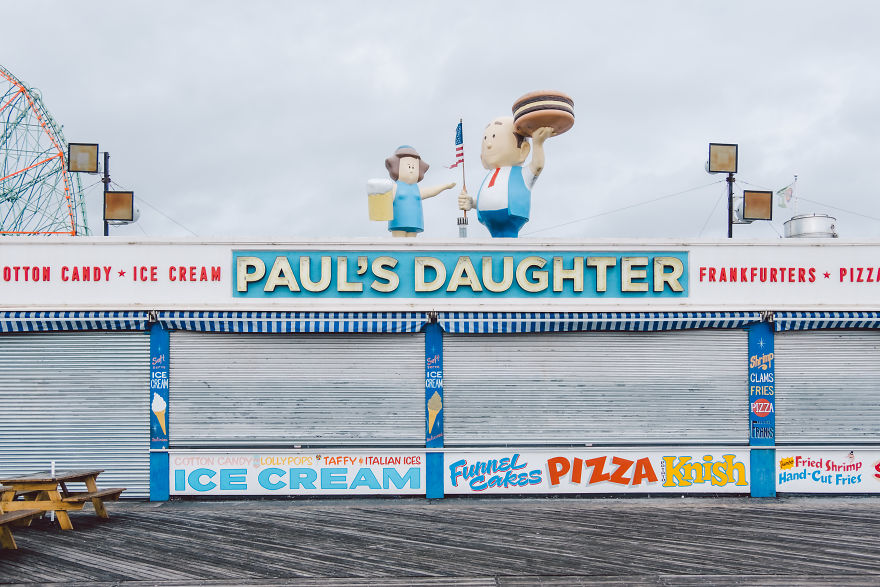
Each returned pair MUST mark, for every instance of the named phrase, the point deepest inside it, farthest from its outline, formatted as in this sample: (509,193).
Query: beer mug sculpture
(380,195)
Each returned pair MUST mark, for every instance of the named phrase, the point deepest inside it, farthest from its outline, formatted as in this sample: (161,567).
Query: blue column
(433,410)
(159,484)
(160,414)
(762,410)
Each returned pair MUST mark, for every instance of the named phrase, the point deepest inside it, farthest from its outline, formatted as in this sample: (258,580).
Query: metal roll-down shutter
(231,390)
(827,386)
(79,399)
(581,388)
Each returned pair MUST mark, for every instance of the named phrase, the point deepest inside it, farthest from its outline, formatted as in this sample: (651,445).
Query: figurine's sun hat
(543,108)
(407,151)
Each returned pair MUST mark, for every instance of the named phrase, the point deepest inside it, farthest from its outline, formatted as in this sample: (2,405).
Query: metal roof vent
(811,226)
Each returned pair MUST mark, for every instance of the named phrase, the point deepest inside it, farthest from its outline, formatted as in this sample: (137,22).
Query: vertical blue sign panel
(762,386)
(433,386)
(433,410)
(159,384)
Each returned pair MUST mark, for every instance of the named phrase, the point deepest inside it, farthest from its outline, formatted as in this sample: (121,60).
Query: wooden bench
(6,539)
(96,497)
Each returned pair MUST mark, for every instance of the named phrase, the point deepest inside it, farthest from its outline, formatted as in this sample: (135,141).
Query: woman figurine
(407,169)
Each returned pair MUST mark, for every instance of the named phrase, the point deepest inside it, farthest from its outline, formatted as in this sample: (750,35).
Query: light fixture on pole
(82,157)
(723,158)
(755,205)
(119,207)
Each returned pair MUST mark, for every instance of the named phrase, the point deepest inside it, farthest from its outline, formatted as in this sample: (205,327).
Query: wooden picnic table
(9,518)
(48,492)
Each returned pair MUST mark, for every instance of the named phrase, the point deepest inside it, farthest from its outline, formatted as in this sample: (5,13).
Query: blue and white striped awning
(54,321)
(818,320)
(288,322)
(502,322)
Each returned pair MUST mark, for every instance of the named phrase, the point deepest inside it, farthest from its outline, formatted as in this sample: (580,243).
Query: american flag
(459,147)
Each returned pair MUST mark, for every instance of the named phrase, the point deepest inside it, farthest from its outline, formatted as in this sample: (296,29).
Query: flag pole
(463,221)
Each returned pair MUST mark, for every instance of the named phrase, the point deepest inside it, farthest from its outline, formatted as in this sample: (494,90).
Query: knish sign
(596,471)
(394,274)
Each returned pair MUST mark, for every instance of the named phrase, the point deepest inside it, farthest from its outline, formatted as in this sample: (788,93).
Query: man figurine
(504,198)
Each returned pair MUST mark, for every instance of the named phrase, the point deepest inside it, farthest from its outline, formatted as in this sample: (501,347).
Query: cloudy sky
(266,119)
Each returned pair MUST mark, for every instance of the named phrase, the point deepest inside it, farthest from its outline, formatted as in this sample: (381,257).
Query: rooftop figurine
(503,201)
(400,201)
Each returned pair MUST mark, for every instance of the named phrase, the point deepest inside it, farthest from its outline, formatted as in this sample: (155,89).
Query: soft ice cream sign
(331,472)
(597,471)
(159,388)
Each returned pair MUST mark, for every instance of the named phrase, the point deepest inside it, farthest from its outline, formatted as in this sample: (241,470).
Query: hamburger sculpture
(503,201)
(543,109)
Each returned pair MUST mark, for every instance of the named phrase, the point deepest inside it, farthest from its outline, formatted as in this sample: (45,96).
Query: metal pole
(106,181)
(462,221)
(730,205)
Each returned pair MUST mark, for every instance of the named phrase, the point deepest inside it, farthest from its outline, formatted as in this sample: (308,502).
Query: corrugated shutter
(828,387)
(79,399)
(596,388)
(303,389)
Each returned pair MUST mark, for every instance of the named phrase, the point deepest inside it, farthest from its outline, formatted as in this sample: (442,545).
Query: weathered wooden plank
(474,541)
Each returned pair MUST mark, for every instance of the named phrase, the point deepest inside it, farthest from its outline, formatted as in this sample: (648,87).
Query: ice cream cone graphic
(158,407)
(435,404)
(161,416)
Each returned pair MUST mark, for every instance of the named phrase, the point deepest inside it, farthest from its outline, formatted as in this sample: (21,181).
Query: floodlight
(757,205)
(119,207)
(722,158)
(82,157)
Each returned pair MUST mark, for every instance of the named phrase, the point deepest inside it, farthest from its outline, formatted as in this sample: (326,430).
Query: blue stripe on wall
(159,486)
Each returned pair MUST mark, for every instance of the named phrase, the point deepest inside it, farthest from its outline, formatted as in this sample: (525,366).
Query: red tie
(494,175)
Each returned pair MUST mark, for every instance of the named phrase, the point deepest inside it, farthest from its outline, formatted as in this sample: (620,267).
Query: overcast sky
(266,119)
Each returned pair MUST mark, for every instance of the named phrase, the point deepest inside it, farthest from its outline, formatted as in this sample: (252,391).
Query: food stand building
(215,368)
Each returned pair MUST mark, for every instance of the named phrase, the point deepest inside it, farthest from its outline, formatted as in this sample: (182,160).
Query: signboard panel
(762,390)
(522,275)
(159,387)
(297,472)
(597,471)
(828,471)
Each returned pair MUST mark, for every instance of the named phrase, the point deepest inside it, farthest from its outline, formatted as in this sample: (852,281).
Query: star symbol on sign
(761,343)
(827,275)
(121,273)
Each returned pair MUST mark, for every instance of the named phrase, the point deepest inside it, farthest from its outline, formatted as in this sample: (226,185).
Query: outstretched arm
(433,191)
(538,137)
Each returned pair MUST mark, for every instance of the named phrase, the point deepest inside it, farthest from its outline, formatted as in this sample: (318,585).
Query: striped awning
(818,320)
(500,322)
(55,321)
(288,322)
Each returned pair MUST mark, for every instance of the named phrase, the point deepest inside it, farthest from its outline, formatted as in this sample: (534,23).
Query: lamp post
(118,206)
(106,181)
(754,204)
(723,158)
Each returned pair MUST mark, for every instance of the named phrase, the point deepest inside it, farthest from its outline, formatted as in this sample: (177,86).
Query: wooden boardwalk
(656,541)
